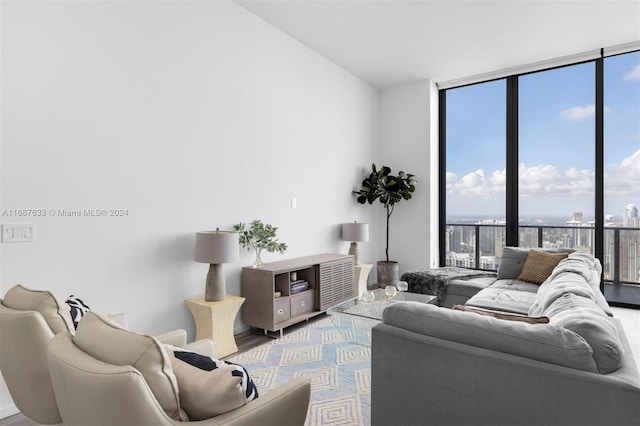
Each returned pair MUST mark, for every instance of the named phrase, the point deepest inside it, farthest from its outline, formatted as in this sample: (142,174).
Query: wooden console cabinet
(331,279)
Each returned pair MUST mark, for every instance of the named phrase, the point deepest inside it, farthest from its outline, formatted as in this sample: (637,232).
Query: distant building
(630,218)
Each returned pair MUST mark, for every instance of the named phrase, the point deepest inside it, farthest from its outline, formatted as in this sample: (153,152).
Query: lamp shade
(355,231)
(217,247)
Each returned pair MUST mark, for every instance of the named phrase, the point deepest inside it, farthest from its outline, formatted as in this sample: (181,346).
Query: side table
(214,320)
(362,276)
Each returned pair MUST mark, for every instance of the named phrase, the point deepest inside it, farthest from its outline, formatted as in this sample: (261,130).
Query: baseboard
(8,411)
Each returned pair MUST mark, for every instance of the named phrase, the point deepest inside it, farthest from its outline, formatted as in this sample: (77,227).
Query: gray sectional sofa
(435,366)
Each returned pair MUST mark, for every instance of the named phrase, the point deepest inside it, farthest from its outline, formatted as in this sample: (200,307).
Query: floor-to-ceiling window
(525,162)
(621,261)
(475,181)
(556,157)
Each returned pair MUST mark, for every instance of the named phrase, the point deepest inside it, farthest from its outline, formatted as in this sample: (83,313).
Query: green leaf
(388,189)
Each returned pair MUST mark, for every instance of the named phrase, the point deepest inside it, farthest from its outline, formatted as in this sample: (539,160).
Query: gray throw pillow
(513,258)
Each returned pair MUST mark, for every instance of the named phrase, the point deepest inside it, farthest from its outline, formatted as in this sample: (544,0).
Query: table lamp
(215,248)
(355,232)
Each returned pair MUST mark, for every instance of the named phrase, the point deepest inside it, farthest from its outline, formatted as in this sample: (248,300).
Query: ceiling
(391,42)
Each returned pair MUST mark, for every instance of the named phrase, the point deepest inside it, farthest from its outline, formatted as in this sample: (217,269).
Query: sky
(556,142)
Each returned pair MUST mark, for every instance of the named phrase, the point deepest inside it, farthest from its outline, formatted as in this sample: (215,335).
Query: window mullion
(512,163)
(598,249)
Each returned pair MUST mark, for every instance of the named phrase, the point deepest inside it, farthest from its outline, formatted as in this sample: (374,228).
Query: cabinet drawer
(281,311)
(301,303)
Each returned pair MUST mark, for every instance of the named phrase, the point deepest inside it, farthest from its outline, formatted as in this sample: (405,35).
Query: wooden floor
(630,319)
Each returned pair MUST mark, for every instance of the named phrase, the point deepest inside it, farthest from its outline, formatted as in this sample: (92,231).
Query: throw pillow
(511,262)
(209,387)
(539,266)
(513,258)
(509,316)
(78,309)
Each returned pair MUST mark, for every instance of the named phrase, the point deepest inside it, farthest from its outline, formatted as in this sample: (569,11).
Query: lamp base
(353,250)
(216,287)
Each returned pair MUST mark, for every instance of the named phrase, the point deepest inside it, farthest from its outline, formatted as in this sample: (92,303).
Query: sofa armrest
(202,346)
(176,338)
(120,318)
(286,405)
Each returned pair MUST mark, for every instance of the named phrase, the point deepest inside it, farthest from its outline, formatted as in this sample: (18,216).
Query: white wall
(408,142)
(189,115)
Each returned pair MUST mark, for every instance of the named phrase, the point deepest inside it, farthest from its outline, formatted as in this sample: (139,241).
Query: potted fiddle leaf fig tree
(259,236)
(389,190)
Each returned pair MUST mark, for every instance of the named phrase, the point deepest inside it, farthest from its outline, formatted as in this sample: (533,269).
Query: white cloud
(623,178)
(634,74)
(476,183)
(499,178)
(579,112)
(547,180)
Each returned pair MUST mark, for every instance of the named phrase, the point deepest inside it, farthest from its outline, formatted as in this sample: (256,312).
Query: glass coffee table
(356,317)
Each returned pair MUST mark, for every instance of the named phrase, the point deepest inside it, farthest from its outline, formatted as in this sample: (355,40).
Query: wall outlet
(294,202)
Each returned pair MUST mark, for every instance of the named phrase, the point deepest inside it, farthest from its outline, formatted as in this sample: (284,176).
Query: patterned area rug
(339,370)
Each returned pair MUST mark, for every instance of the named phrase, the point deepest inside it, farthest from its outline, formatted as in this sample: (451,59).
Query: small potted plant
(259,236)
(381,185)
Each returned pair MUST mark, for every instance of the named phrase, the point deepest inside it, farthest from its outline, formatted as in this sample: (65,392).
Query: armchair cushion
(55,312)
(209,387)
(98,336)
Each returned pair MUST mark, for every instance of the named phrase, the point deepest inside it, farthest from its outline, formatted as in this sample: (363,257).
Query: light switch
(18,232)
(294,202)
(7,233)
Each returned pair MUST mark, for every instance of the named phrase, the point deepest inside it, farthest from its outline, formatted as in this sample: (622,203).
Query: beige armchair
(28,321)
(106,375)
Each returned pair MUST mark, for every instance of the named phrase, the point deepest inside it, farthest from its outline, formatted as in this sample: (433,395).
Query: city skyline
(548,219)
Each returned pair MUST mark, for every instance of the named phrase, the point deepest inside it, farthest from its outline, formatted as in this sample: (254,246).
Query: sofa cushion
(542,342)
(554,289)
(107,341)
(506,295)
(516,285)
(513,258)
(539,266)
(55,312)
(209,387)
(578,274)
(589,270)
(468,288)
(501,315)
(583,317)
